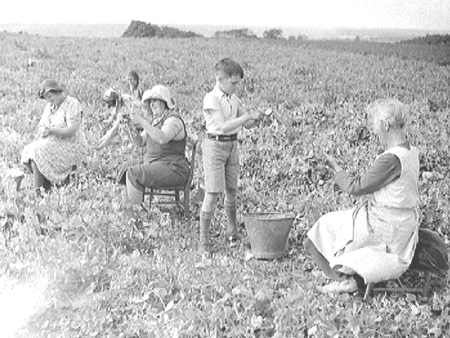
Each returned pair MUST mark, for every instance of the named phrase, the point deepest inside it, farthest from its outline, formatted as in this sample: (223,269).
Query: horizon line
(235,25)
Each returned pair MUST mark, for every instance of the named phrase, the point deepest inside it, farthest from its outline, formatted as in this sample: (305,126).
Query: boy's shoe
(345,286)
(233,240)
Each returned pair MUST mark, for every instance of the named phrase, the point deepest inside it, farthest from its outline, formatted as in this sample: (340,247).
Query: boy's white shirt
(228,106)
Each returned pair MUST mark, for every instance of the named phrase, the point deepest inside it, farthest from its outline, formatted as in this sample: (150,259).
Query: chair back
(191,149)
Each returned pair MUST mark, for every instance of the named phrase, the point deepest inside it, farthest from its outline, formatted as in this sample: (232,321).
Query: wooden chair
(173,192)
(430,258)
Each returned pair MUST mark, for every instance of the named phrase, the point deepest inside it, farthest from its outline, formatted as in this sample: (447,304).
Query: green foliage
(103,270)
(139,29)
(438,54)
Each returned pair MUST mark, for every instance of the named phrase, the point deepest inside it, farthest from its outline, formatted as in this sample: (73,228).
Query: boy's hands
(259,115)
(255,115)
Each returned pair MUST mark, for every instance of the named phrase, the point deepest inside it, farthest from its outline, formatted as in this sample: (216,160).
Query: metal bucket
(268,233)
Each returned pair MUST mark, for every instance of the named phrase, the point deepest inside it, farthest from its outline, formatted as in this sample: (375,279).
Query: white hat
(159,92)
(110,95)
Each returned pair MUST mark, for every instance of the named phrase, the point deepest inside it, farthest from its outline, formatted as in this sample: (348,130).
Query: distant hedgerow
(235,33)
(435,39)
(139,29)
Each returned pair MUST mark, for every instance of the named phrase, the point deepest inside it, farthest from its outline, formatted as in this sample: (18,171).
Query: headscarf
(134,75)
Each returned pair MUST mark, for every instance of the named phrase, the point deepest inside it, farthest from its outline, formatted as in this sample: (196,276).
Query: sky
(396,14)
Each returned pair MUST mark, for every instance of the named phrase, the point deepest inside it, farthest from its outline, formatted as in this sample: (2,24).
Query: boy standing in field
(224,116)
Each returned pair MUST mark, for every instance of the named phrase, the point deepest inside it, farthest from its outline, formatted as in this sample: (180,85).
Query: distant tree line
(139,29)
(272,34)
(429,40)
(235,33)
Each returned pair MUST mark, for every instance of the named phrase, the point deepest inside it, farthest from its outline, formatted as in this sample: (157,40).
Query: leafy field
(437,53)
(78,264)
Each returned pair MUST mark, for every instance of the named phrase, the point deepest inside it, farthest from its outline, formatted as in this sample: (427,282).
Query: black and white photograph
(233,169)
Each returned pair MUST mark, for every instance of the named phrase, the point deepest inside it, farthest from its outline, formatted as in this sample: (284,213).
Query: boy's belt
(222,138)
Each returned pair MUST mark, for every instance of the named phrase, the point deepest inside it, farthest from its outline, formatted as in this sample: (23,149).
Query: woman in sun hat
(376,239)
(61,143)
(164,136)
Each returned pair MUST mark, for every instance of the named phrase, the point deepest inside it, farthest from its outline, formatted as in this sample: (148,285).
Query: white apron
(376,239)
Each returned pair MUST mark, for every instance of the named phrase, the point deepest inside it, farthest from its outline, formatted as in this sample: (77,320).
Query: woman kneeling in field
(375,240)
(61,143)
(121,110)
(164,162)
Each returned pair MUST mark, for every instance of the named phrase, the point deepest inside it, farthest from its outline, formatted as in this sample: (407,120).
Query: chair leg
(187,193)
(150,198)
(426,287)
(369,288)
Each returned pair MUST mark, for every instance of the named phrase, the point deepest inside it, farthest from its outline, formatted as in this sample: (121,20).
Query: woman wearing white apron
(375,240)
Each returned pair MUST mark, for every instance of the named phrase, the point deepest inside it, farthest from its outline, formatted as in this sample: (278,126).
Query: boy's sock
(230,210)
(205,223)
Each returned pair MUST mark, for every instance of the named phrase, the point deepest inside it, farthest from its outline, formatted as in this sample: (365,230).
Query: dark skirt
(156,174)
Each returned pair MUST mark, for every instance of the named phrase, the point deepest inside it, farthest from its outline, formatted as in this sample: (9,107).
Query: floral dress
(56,156)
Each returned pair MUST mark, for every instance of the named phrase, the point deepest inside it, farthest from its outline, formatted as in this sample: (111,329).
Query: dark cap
(48,86)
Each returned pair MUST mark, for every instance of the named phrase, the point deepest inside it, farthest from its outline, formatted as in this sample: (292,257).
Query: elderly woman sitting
(61,143)
(375,240)
(164,136)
